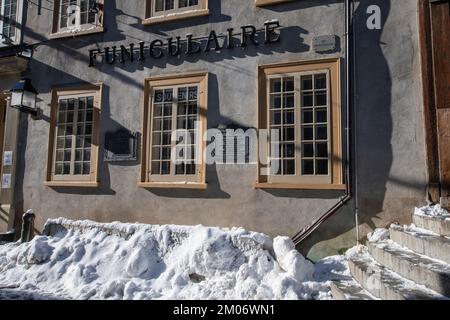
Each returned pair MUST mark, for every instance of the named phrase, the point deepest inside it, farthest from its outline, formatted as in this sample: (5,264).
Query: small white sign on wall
(6,181)
(8,158)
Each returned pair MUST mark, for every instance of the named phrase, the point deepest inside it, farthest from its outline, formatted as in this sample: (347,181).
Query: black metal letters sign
(189,45)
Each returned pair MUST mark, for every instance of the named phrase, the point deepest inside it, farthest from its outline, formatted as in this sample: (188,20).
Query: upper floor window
(9,19)
(167,10)
(77,16)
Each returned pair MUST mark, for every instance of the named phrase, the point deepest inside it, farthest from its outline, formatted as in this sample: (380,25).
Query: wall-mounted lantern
(24,96)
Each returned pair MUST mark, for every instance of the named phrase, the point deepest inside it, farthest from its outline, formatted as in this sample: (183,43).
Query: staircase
(414,264)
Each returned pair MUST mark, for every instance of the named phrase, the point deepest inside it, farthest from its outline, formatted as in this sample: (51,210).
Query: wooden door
(435,47)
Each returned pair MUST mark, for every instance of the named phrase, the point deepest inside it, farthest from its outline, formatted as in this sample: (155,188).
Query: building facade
(117,78)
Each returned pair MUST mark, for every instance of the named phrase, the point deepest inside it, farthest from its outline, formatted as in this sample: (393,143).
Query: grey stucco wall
(391,175)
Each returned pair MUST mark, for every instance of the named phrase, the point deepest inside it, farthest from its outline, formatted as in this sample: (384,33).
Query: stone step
(438,225)
(421,242)
(431,273)
(349,290)
(385,284)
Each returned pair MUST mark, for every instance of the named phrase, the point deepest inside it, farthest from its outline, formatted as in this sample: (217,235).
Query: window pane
(275,101)
(308,167)
(321,98)
(288,84)
(322,150)
(289,134)
(320,81)
(193,91)
(307,100)
(289,167)
(165,168)
(156,167)
(182,94)
(289,117)
(308,150)
(307,117)
(169,4)
(289,101)
(275,85)
(289,150)
(159,5)
(180,169)
(86,168)
(78,168)
(308,133)
(322,133)
(322,167)
(307,83)
(190,169)
(321,116)
(275,117)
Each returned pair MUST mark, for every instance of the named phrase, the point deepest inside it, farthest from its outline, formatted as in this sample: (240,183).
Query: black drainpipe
(349,32)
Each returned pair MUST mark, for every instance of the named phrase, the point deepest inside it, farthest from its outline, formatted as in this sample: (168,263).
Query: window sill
(176,16)
(69,34)
(300,186)
(173,185)
(68,184)
(262,3)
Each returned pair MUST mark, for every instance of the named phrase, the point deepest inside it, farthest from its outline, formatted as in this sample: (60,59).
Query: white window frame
(17,25)
(78,26)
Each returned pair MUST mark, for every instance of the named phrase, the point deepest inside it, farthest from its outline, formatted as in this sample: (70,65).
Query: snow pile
(432,211)
(135,261)
(379,234)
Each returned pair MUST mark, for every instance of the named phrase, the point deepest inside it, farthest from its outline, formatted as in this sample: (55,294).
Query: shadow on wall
(373,137)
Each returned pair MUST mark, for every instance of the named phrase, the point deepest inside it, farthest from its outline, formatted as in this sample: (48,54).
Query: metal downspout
(349,98)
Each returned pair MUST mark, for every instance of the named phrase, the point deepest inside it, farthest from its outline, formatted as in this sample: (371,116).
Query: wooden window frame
(71,181)
(174,15)
(332,66)
(263,3)
(58,33)
(199,78)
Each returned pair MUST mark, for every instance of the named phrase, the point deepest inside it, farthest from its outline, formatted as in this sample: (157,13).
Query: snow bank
(378,235)
(133,261)
(433,211)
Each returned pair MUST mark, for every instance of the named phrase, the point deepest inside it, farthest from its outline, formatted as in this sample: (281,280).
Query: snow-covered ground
(133,261)
(433,211)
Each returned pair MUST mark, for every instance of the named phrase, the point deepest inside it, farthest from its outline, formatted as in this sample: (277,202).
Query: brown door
(435,42)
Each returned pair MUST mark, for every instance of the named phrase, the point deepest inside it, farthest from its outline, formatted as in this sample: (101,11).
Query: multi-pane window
(74,135)
(175,115)
(8,19)
(167,10)
(175,110)
(78,15)
(302,112)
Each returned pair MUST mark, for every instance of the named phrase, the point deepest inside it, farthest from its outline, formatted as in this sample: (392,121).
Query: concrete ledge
(433,246)
(349,290)
(420,269)
(385,284)
(439,225)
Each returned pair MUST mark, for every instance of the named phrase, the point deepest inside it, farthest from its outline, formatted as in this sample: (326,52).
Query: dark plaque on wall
(121,145)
